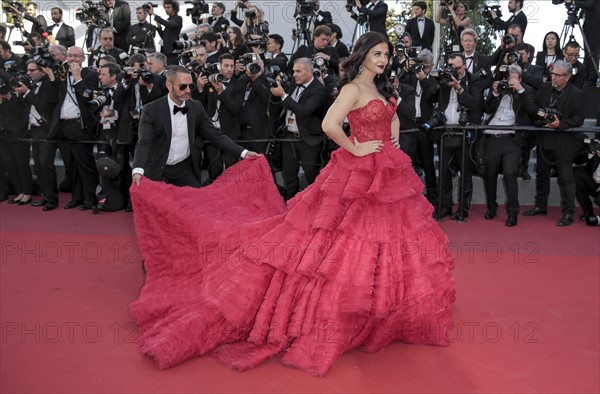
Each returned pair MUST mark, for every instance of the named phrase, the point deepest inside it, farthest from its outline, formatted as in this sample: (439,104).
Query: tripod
(302,32)
(568,30)
(359,29)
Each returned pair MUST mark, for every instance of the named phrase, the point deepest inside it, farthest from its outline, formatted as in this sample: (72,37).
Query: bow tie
(469,57)
(182,109)
(56,24)
(420,19)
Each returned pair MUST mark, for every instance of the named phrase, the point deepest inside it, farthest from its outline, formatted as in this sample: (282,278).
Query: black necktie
(182,109)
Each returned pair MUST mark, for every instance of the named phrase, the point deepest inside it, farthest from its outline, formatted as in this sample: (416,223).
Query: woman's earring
(361,69)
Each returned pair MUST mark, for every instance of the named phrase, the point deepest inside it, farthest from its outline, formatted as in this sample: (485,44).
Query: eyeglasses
(107,38)
(576,54)
(182,86)
(558,75)
(73,55)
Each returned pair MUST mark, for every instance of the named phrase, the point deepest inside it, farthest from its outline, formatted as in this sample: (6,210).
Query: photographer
(11,62)
(421,28)
(508,104)
(213,46)
(587,183)
(457,17)
(459,98)
(571,55)
(60,32)
(41,98)
(236,43)
(319,48)
(118,16)
(336,43)
(141,35)
(303,117)
(254,26)
(168,29)
(515,7)
(223,103)
(477,63)
(512,37)
(73,120)
(376,12)
(218,22)
(38,22)
(106,48)
(561,107)
(591,30)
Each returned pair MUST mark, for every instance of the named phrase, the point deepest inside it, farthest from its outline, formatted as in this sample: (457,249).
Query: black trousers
(44,154)
(452,152)
(79,160)
(408,145)
(585,187)
(181,174)
(294,155)
(426,154)
(530,142)
(15,157)
(117,188)
(502,153)
(563,158)
(218,160)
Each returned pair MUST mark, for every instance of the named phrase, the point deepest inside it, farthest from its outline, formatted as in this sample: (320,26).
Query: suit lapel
(191,120)
(166,116)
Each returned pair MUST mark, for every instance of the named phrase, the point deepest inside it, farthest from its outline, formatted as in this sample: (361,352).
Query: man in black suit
(557,146)
(106,48)
(168,29)
(335,41)
(223,103)
(6,55)
(319,48)
(118,16)
(73,121)
(476,62)
(376,12)
(38,22)
(218,22)
(464,90)
(507,107)
(571,54)
(274,56)
(303,117)
(499,56)
(141,35)
(515,7)
(61,33)
(591,29)
(420,28)
(41,100)
(172,133)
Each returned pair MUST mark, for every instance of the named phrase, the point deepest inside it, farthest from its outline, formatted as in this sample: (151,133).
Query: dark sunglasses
(182,86)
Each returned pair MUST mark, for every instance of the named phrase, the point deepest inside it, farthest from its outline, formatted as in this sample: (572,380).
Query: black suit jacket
(341,49)
(482,62)
(65,35)
(324,16)
(254,109)
(533,76)
(581,75)
(406,110)
(39,24)
(142,35)
(218,23)
(472,97)
(540,58)
(376,16)
(522,105)
(155,133)
(426,41)
(428,94)
(307,111)
(171,28)
(519,19)
(88,120)
(309,51)
(280,60)
(121,21)
(231,101)
(45,101)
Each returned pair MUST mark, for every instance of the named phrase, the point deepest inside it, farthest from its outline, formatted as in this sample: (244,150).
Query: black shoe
(23,202)
(73,204)
(87,207)
(39,203)
(490,214)
(13,201)
(49,206)
(456,215)
(442,215)
(511,221)
(584,216)
(535,211)
(129,208)
(566,220)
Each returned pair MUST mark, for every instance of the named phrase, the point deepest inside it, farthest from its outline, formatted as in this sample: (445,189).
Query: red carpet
(527,318)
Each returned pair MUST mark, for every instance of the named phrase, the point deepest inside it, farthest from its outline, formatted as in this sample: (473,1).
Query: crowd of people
(250,91)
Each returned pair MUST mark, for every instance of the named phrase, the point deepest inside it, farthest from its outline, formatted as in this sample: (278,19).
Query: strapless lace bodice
(373,121)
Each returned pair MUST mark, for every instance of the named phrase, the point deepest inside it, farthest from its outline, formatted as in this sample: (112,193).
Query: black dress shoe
(73,204)
(39,203)
(25,202)
(490,214)
(442,215)
(456,215)
(87,207)
(49,206)
(511,221)
(535,211)
(566,220)
(13,201)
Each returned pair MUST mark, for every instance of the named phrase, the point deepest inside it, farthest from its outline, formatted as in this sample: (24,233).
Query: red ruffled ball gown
(353,261)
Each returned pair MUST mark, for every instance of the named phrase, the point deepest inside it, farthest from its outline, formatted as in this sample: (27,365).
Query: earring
(361,69)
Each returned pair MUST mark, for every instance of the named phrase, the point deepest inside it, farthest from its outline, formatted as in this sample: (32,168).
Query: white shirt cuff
(243,155)
(137,170)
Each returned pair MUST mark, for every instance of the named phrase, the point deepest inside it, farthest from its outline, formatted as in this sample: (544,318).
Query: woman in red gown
(353,261)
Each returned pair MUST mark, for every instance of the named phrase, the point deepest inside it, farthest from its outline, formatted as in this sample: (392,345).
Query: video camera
(306,7)
(199,10)
(92,13)
(487,13)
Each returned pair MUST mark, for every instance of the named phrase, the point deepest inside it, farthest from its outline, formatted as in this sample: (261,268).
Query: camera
(250,14)
(592,145)
(21,78)
(43,58)
(20,43)
(487,13)
(445,74)
(276,72)
(463,114)
(447,3)
(142,74)
(305,7)
(91,13)
(186,44)
(147,6)
(249,60)
(20,7)
(548,115)
(102,98)
(503,87)
(199,7)
(437,119)
(509,39)
(512,57)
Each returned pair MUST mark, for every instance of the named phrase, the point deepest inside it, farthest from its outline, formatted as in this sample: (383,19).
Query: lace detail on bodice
(373,121)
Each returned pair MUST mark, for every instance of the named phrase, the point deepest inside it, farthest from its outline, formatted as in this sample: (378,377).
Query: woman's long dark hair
(358,56)
(239,37)
(557,48)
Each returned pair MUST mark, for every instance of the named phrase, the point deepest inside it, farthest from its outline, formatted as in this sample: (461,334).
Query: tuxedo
(375,16)
(558,147)
(142,35)
(98,53)
(39,24)
(426,40)
(310,50)
(155,133)
(217,24)
(305,104)
(65,35)
(480,62)
(519,19)
(169,33)
(44,98)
